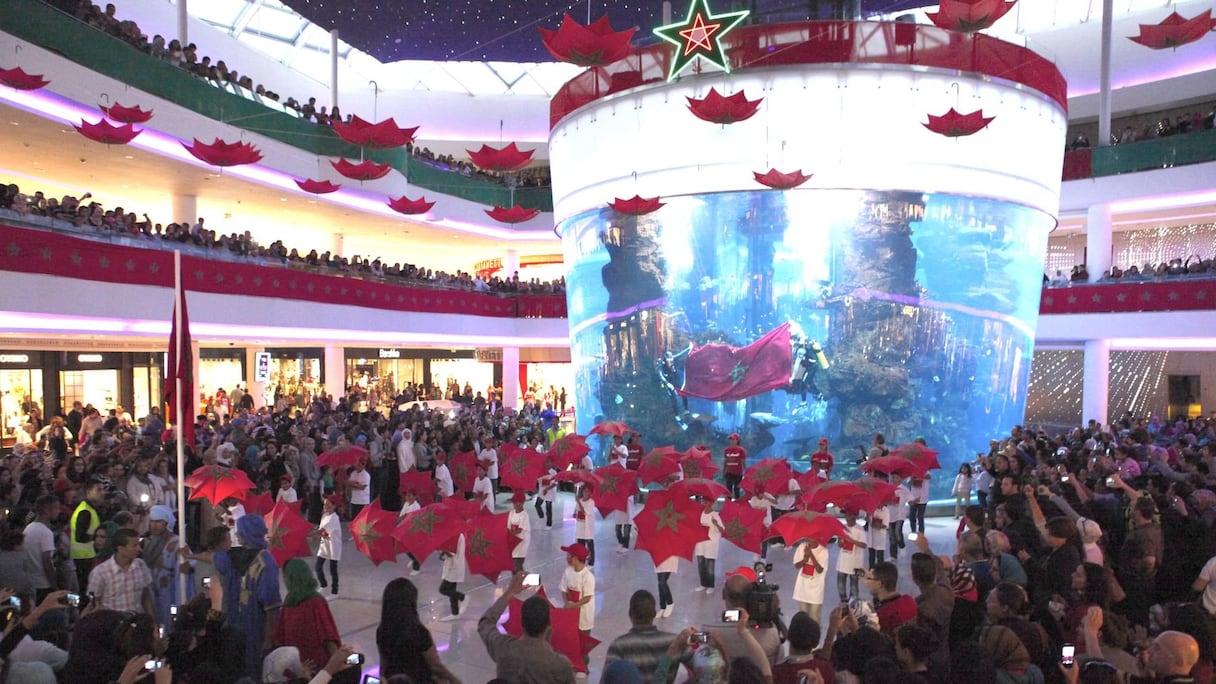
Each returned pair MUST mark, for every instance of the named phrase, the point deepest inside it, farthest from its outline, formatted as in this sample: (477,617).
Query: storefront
(21,389)
(384,369)
(220,369)
(127,381)
(298,374)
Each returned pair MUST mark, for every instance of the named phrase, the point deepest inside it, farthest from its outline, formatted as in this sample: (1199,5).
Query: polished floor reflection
(357,609)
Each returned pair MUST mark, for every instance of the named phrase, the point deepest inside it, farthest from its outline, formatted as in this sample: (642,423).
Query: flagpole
(178,411)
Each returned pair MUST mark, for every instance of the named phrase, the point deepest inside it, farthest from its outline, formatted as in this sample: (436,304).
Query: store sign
(261,364)
(390,353)
(89,358)
(489,355)
(14,358)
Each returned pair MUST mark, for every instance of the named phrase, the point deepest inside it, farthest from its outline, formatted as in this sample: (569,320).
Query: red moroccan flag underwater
(725,373)
(181,366)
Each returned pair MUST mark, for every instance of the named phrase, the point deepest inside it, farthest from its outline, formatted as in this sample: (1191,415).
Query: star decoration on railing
(700,34)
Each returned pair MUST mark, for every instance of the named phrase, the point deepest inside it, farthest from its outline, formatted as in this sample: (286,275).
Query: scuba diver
(809,359)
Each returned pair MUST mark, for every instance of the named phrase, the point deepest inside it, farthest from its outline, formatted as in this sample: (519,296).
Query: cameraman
(736,591)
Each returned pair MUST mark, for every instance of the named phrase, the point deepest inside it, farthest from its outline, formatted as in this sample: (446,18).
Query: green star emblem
(274,538)
(737,373)
(366,532)
(734,531)
(668,517)
(691,469)
(517,466)
(479,545)
(425,522)
(699,35)
(608,485)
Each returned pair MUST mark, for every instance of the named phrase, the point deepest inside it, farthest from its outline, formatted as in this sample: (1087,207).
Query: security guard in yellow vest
(84,522)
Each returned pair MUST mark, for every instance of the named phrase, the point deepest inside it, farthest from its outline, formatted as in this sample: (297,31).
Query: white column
(183,29)
(185,209)
(335,371)
(510,264)
(510,377)
(333,69)
(1095,387)
(255,387)
(1104,95)
(1097,241)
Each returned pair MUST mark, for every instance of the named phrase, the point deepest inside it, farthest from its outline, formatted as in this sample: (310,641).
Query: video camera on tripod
(763,605)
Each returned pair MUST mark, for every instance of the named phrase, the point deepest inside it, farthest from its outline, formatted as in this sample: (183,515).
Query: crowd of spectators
(1163,127)
(531,177)
(92,217)
(1176,268)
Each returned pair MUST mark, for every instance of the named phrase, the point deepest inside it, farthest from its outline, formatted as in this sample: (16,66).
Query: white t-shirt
(848,562)
(331,537)
(898,512)
(584,527)
(545,480)
(762,503)
(1208,573)
(520,520)
(38,538)
(483,486)
(669,564)
(360,496)
(443,477)
(810,588)
(287,495)
(878,535)
(581,582)
(454,565)
(490,455)
(785,501)
(406,460)
(409,507)
(709,547)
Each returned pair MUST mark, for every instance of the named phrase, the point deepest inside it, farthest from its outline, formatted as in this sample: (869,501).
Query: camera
(1067,653)
(72,600)
(699,638)
(912,536)
(732,615)
(371,679)
(762,601)
(1110,482)
(532,579)
(206,582)
(173,610)
(154,664)
(354,659)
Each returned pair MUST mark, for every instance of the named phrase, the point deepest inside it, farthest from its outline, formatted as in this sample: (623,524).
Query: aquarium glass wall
(909,315)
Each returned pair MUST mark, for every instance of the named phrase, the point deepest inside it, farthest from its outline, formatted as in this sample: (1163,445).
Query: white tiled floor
(357,609)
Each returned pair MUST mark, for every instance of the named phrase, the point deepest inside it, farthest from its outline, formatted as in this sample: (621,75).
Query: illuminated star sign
(699,35)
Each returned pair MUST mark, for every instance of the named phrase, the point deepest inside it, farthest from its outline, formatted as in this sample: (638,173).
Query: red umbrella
(216,483)
(802,525)
(384,134)
(520,468)
(17,78)
(699,486)
(724,110)
(287,533)
(463,467)
(781,181)
(424,531)
(105,132)
(409,207)
(969,16)
(658,465)
(568,450)
(221,153)
(698,463)
(565,637)
(918,453)
(373,532)
(772,473)
(342,456)
(513,214)
(416,481)
(259,503)
(1175,31)
(595,44)
(743,525)
(864,494)
(488,545)
(617,485)
(362,171)
(508,158)
(894,465)
(318,187)
(809,480)
(635,206)
(612,427)
(669,525)
(955,125)
(123,114)
(578,477)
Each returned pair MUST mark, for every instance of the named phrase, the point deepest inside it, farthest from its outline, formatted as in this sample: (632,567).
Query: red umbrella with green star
(426,530)
(287,533)
(565,639)
(567,451)
(519,468)
(488,545)
(697,462)
(743,525)
(463,467)
(616,485)
(773,473)
(373,532)
(216,483)
(669,525)
(659,465)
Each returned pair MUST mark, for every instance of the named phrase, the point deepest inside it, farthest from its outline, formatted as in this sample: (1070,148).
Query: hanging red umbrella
(520,468)
(918,453)
(17,78)
(287,533)
(771,473)
(593,45)
(509,158)
(802,525)
(342,456)
(699,486)
(565,637)
(259,503)
(955,125)
(405,205)
(617,485)
(373,533)
(781,181)
(424,531)
(724,110)
(669,525)
(385,134)
(121,114)
(969,15)
(698,463)
(1175,31)
(105,132)
(417,481)
(581,477)
(567,451)
(612,427)
(743,525)
(636,205)
(317,187)
(463,467)
(216,483)
(657,467)
(365,170)
(221,153)
(513,214)
(894,465)
(488,545)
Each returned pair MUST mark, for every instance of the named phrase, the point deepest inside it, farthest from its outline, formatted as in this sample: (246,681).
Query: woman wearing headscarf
(1010,657)
(160,553)
(305,620)
(405,645)
(251,589)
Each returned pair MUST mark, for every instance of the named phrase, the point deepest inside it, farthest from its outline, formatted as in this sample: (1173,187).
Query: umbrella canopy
(894,465)
(699,486)
(520,468)
(771,473)
(612,427)
(669,525)
(743,525)
(567,451)
(260,504)
(659,465)
(463,467)
(424,531)
(488,545)
(697,462)
(802,525)
(617,485)
(287,533)
(809,480)
(373,533)
(342,456)
(216,483)
(566,639)
(582,477)
(416,481)
(920,454)
(864,494)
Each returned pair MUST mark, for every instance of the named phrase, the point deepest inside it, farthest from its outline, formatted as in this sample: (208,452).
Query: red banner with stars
(29,250)
(1186,293)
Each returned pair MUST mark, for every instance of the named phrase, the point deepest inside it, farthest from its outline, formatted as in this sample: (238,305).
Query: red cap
(823,440)
(743,571)
(578,551)
(734,436)
(519,497)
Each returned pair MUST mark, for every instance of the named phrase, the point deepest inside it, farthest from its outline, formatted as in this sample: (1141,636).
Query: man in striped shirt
(644,643)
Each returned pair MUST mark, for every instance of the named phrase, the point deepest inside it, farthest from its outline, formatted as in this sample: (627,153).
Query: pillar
(511,390)
(333,68)
(510,264)
(1104,95)
(335,371)
(183,29)
(1098,241)
(185,209)
(1095,387)
(255,386)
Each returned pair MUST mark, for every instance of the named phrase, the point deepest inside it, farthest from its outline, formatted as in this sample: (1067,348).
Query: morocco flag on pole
(180,369)
(725,373)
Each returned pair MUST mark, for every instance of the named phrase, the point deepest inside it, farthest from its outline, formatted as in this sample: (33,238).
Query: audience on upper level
(1131,129)
(1177,267)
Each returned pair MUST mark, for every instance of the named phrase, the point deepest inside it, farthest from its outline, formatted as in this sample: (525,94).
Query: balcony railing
(1143,155)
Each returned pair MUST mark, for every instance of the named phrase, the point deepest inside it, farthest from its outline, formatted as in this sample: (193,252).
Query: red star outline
(698,36)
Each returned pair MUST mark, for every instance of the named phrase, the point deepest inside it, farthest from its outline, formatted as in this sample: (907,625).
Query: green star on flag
(699,35)
(366,532)
(608,484)
(425,521)
(734,531)
(479,545)
(737,373)
(668,517)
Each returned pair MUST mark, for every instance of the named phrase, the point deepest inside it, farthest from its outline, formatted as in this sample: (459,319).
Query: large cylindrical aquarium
(894,292)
